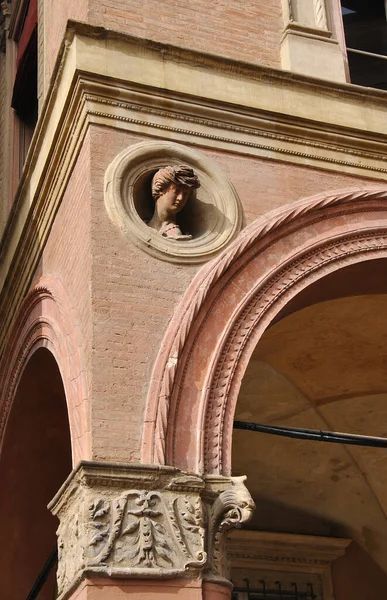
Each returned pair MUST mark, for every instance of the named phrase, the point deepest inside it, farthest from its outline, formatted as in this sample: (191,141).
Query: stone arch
(45,320)
(228,306)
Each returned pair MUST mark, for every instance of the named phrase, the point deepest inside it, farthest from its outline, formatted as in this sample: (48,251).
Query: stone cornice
(267,547)
(244,130)
(260,554)
(198,98)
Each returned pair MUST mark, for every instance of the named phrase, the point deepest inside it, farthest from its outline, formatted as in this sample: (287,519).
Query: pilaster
(308,46)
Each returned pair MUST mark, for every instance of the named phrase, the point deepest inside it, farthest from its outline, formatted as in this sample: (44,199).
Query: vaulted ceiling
(323,367)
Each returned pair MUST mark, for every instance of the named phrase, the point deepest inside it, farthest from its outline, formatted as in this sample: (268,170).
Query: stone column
(137,522)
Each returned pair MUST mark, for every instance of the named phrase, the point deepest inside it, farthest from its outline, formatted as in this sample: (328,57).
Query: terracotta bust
(171,190)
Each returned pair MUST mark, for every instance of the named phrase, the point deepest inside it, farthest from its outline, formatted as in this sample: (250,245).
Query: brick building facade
(126,355)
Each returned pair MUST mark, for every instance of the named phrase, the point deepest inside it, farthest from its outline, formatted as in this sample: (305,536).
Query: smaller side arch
(45,320)
(230,303)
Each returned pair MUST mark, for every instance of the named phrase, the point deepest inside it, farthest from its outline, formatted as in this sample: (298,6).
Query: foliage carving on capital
(145,521)
(146,529)
(129,529)
(110,526)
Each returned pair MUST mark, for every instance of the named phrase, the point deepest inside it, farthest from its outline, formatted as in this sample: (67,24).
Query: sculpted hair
(180,175)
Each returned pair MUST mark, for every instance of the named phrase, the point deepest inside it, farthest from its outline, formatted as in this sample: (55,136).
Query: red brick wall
(55,16)
(245,30)
(67,254)
(134,295)
(123,298)
(242,29)
(264,185)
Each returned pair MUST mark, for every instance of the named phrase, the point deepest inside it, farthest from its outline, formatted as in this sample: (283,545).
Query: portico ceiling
(322,367)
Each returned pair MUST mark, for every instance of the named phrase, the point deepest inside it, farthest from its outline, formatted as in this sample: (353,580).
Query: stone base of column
(216,591)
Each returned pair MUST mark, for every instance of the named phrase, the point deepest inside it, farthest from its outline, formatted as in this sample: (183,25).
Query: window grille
(280,592)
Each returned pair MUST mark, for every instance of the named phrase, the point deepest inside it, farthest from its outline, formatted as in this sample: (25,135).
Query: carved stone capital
(5,13)
(145,521)
(129,521)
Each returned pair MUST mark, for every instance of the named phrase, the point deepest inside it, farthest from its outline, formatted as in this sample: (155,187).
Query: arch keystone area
(228,306)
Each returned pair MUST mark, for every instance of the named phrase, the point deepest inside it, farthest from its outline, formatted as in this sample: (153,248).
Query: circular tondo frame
(213,215)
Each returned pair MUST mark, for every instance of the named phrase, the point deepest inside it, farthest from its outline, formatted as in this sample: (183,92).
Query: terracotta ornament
(171,190)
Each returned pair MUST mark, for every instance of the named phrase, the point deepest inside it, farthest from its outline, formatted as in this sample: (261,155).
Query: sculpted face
(173,199)
(171,189)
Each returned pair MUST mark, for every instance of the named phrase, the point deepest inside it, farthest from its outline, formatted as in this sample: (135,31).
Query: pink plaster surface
(140,589)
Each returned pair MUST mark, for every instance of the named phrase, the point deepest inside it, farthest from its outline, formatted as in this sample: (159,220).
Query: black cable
(43,575)
(314,434)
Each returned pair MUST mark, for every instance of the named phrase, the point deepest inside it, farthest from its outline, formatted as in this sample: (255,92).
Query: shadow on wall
(356,576)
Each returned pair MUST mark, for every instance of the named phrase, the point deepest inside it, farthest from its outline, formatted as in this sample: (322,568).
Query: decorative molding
(246,322)
(285,547)
(168,363)
(142,521)
(75,96)
(305,139)
(323,35)
(216,208)
(258,555)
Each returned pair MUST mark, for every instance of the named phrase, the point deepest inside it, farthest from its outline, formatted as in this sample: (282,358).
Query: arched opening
(322,365)
(35,460)
(197,375)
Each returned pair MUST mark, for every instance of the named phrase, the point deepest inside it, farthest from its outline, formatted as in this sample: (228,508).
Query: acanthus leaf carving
(173,525)
(129,531)
(188,519)
(150,547)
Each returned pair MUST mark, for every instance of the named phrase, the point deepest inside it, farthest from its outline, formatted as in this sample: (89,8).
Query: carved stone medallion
(205,224)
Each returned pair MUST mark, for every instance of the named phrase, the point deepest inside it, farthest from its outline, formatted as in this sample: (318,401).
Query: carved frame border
(239,332)
(144,157)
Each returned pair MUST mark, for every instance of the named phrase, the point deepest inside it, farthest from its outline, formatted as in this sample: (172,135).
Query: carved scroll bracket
(146,522)
(233,506)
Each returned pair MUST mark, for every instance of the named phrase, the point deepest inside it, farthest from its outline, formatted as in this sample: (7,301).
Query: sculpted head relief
(171,190)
